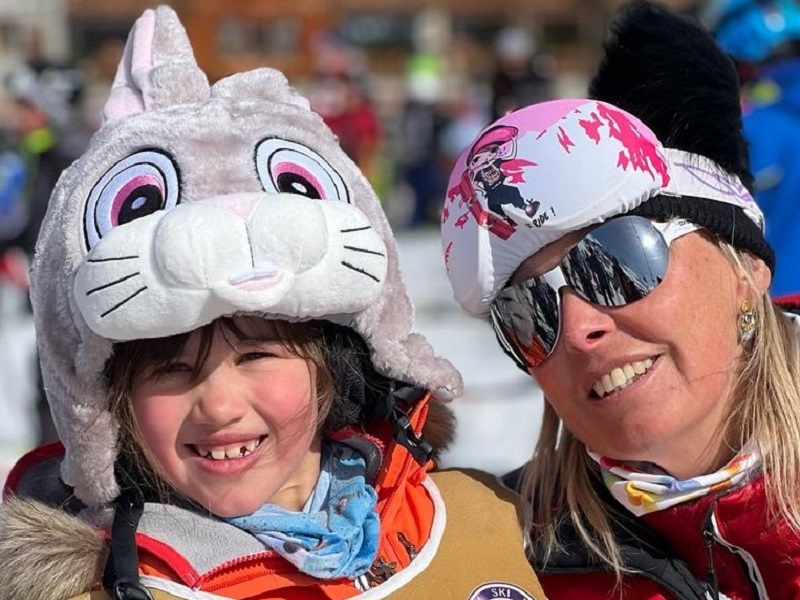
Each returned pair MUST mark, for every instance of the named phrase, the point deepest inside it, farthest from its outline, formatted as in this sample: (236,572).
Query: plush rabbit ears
(157,69)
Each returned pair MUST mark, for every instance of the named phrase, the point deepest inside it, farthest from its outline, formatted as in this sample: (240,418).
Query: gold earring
(747,321)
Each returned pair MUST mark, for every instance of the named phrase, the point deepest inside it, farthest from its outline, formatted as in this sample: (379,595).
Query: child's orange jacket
(449,534)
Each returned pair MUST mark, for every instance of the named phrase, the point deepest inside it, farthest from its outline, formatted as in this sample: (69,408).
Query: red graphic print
(639,153)
(564,140)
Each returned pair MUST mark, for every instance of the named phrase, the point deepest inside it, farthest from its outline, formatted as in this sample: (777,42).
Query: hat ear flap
(157,68)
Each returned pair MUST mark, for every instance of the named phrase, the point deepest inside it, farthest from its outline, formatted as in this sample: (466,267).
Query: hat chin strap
(121,575)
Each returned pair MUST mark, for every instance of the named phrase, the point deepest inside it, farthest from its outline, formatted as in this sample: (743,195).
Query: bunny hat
(196,201)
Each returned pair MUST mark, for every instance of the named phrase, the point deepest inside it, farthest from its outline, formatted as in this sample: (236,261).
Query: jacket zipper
(232,565)
(749,562)
(407,459)
(712,536)
(712,584)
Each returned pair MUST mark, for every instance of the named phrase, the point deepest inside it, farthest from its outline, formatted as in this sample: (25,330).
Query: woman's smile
(621,378)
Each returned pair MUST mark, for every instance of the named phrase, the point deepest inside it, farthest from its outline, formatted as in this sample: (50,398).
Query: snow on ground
(500,411)
(17,411)
(498,415)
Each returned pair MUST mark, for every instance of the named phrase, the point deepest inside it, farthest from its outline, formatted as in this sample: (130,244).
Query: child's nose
(220,402)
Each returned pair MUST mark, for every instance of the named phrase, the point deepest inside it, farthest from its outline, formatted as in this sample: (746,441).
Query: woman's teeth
(621,377)
(227,452)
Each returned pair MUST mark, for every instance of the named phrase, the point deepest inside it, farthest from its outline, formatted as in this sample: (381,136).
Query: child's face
(239,434)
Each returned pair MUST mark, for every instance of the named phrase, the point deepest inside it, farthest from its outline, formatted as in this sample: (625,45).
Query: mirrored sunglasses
(619,262)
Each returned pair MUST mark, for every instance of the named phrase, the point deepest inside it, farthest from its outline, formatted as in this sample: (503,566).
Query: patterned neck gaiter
(643,487)
(336,533)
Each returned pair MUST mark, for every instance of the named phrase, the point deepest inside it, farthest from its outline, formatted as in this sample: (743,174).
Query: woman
(667,463)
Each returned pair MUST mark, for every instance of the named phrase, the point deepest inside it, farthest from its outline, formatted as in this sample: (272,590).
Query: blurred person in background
(48,136)
(14,211)
(521,76)
(468,115)
(419,145)
(49,133)
(763,37)
(339,93)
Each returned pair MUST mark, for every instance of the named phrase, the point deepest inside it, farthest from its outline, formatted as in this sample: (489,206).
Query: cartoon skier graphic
(488,165)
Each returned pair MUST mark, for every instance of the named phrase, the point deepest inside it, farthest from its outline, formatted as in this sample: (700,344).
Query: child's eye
(252,351)
(172,369)
(253,356)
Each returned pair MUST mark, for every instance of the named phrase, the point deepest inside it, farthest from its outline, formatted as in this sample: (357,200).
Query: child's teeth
(223,452)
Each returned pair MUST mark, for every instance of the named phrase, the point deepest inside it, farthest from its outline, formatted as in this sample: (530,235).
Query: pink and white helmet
(543,171)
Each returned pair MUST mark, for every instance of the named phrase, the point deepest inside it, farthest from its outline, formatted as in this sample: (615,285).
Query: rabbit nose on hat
(219,237)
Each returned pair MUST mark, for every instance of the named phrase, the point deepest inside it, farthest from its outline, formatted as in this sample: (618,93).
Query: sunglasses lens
(525,318)
(619,262)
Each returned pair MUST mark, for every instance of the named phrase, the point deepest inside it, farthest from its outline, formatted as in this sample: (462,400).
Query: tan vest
(480,556)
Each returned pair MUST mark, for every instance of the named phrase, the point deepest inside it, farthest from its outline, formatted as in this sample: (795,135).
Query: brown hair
(131,359)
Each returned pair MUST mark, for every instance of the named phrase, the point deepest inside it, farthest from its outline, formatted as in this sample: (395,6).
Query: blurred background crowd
(405,86)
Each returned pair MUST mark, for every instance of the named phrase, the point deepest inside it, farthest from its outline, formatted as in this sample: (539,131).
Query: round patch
(497,589)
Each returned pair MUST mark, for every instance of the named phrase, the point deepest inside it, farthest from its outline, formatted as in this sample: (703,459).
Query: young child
(226,345)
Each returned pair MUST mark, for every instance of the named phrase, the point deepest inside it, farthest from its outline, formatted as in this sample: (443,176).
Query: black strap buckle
(125,589)
(405,435)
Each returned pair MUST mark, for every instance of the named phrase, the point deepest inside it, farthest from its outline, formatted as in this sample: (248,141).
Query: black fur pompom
(669,72)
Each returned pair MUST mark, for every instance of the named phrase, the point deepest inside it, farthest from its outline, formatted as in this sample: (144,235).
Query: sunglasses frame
(660,236)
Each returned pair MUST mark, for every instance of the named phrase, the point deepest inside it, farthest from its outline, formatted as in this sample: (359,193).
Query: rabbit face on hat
(195,202)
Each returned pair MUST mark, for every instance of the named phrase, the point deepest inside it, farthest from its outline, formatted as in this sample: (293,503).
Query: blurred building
(25,36)
(234,35)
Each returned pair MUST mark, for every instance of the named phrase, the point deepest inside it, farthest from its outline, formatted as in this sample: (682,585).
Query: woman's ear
(762,276)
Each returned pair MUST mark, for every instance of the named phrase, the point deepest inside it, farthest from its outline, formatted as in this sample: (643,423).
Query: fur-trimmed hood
(38,540)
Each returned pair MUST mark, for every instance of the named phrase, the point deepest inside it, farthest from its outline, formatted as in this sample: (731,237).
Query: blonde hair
(130,359)
(765,412)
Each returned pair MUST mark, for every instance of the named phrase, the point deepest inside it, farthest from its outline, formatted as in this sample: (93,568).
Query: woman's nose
(584,326)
